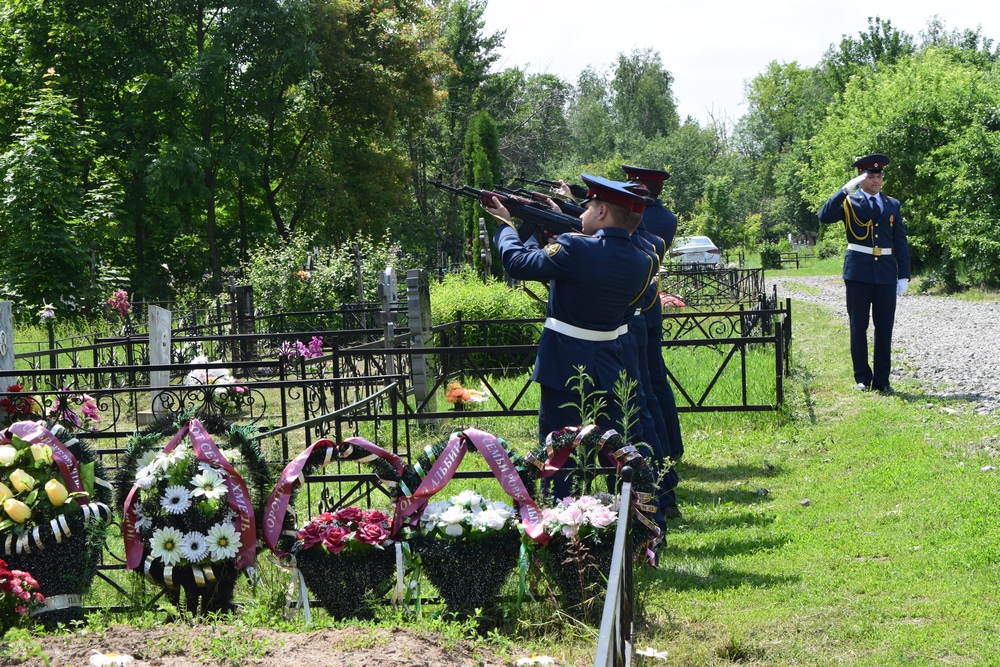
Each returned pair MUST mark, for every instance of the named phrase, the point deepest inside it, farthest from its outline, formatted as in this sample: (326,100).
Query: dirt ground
(176,645)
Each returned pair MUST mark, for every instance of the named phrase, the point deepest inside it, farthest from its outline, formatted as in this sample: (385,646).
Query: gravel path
(951,346)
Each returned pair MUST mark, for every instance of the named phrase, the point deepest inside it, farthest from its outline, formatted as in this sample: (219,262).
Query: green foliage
(296,276)
(44,200)
(482,170)
(770,256)
(831,245)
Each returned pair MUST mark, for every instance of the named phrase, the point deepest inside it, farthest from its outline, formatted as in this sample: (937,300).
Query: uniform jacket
(658,220)
(594,281)
(887,231)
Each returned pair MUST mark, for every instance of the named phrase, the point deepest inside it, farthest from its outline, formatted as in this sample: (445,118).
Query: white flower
(467,498)
(166,544)
(502,508)
(175,500)
(147,457)
(110,659)
(434,510)
(451,520)
(176,455)
(652,653)
(490,519)
(223,541)
(208,484)
(543,660)
(194,547)
(142,522)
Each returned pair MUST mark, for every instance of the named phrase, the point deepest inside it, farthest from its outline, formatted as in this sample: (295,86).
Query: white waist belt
(583,334)
(638,311)
(868,250)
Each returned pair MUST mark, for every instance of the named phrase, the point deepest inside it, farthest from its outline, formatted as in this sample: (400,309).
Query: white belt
(638,312)
(584,334)
(868,250)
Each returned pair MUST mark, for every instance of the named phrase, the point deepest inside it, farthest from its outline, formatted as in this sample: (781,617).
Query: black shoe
(885,391)
(672,512)
(861,386)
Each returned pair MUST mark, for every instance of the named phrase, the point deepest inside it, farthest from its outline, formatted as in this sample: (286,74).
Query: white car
(696,250)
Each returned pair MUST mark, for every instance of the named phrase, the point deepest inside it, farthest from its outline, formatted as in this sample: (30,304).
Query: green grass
(847,528)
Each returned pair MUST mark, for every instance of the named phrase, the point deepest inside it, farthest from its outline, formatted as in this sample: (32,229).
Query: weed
(18,646)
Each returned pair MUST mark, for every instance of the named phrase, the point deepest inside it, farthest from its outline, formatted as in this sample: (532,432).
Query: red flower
(372,533)
(336,539)
(310,535)
(375,516)
(349,515)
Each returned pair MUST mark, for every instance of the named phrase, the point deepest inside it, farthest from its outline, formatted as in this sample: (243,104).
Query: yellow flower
(16,510)
(5,492)
(57,492)
(22,481)
(42,453)
(7,455)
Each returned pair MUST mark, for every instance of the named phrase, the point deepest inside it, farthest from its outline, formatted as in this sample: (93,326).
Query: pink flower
(375,516)
(310,535)
(349,515)
(336,539)
(372,533)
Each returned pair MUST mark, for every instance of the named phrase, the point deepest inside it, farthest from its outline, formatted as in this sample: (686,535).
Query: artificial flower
(208,484)
(142,522)
(371,533)
(111,659)
(652,653)
(41,453)
(56,492)
(7,455)
(452,518)
(166,545)
(22,481)
(542,660)
(5,492)
(348,527)
(16,510)
(194,547)
(223,542)
(175,500)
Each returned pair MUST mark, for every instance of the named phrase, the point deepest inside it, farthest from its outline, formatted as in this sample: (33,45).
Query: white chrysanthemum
(146,479)
(194,547)
(175,500)
(147,457)
(166,545)
(223,541)
(142,522)
(176,455)
(467,498)
(111,659)
(208,484)
(542,660)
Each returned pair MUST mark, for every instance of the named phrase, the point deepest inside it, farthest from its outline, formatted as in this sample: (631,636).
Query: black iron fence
(707,286)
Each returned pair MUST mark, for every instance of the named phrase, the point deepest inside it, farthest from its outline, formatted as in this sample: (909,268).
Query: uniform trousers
(877,302)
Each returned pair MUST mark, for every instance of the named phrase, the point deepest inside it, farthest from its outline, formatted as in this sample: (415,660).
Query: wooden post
(388,293)
(159,355)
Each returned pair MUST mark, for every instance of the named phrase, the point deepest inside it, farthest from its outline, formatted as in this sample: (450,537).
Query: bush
(831,246)
(770,256)
(284,279)
(490,300)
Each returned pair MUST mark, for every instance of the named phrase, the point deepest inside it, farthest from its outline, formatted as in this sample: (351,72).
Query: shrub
(770,256)
(285,279)
(831,245)
(490,300)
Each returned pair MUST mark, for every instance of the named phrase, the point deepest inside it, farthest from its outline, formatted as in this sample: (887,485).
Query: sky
(712,48)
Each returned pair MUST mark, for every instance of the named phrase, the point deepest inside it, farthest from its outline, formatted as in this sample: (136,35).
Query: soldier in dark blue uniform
(595,280)
(876,267)
(658,225)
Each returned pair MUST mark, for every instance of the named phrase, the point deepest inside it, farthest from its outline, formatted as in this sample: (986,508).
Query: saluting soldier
(876,266)
(595,279)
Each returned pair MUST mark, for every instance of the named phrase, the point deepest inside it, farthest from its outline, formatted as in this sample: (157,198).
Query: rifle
(578,191)
(534,216)
(566,206)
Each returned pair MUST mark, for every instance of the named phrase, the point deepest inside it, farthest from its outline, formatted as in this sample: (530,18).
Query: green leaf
(30,500)
(6,524)
(87,478)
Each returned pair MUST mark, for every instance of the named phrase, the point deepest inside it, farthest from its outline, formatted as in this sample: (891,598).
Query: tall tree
(642,99)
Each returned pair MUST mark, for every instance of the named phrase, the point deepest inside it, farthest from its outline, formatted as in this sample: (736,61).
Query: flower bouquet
(468,546)
(18,593)
(581,544)
(227,393)
(458,395)
(188,515)
(53,511)
(345,557)
(347,560)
